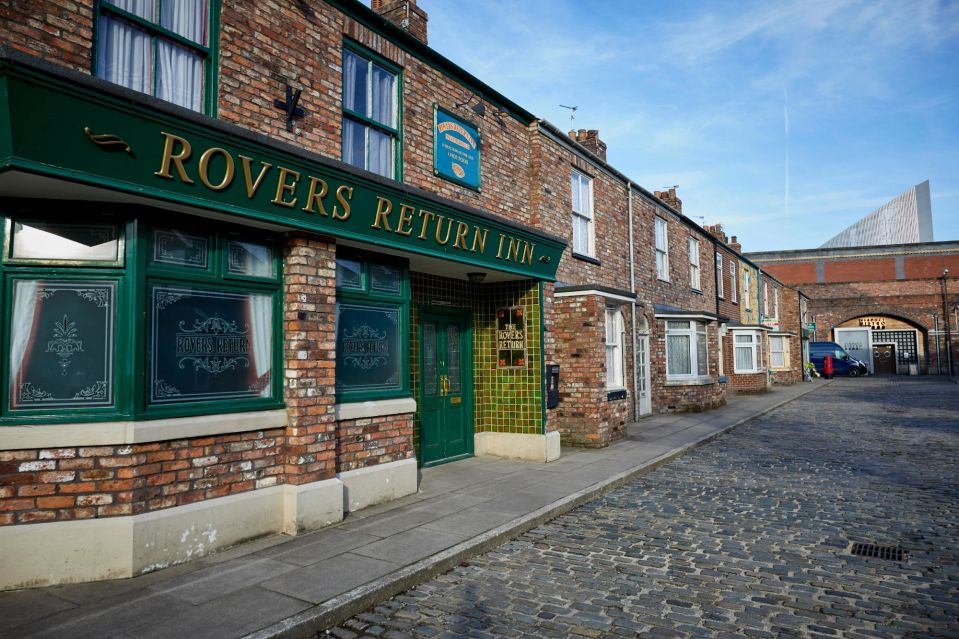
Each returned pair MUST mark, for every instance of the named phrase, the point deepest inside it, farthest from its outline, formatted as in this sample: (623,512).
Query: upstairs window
(160,47)
(615,337)
(734,282)
(694,278)
(662,250)
(776,303)
(746,286)
(370,113)
(583,239)
(766,298)
(720,288)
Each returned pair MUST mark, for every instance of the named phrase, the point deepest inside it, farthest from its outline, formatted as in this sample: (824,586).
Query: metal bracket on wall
(289,106)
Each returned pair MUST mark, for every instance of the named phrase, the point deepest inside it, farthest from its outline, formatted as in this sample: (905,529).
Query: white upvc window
(662,250)
(733,281)
(746,351)
(694,278)
(583,233)
(746,285)
(778,351)
(615,352)
(686,351)
(720,287)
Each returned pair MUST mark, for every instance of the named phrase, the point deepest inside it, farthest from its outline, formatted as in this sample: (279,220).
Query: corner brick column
(309,345)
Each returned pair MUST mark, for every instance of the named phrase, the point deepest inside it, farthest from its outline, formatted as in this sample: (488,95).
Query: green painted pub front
(194,313)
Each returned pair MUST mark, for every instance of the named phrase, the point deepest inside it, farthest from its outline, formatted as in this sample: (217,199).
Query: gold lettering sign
(217,169)
(875,323)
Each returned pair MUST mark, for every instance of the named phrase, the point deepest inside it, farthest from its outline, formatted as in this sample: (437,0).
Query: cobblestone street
(749,535)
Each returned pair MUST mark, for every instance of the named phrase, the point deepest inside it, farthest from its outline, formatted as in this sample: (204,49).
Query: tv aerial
(572,111)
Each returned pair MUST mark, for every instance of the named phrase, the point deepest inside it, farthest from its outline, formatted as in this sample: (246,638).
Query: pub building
(231,311)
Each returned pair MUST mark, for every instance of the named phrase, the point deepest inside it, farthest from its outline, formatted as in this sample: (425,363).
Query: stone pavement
(283,586)
(747,537)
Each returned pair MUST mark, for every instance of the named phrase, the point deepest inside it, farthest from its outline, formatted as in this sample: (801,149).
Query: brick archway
(897,313)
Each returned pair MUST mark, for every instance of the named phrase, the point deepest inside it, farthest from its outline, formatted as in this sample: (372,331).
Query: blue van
(842,364)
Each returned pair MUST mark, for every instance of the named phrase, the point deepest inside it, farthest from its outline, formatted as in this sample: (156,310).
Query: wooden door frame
(466,314)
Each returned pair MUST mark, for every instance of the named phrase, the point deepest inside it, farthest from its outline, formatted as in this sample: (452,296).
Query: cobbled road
(748,536)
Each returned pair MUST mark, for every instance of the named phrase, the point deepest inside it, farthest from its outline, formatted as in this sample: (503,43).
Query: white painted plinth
(378,484)
(538,448)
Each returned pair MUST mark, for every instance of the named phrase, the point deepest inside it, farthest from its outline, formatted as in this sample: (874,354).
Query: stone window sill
(690,381)
(379,408)
(586,258)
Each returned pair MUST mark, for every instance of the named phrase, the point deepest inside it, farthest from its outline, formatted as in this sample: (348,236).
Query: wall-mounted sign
(456,149)
(511,337)
(130,148)
(875,323)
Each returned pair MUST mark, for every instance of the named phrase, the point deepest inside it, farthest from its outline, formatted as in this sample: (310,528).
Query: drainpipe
(632,289)
(935,318)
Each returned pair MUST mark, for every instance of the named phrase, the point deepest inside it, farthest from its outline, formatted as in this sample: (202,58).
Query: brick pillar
(309,345)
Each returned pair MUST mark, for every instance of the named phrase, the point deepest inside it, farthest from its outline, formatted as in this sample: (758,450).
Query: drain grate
(892,553)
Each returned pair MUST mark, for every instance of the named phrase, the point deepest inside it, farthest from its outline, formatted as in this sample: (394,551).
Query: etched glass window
(208,345)
(453,358)
(429,358)
(249,258)
(349,273)
(386,278)
(369,353)
(178,248)
(62,343)
(65,242)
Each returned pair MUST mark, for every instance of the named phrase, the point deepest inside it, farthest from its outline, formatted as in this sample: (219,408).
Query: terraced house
(263,260)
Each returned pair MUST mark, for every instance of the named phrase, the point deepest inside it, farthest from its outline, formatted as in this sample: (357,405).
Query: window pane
(673,324)
(368,347)
(744,358)
(453,358)
(143,8)
(181,249)
(677,355)
(354,143)
(385,278)
(581,235)
(124,55)
(702,362)
(208,345)
(349,273)
(179,75)
(54,241)
(778,359)
(187,18)
(384,95)
(62,343)
(248,258)
(355,71)
(574,181)
(430,378)
(381,153)
(744,339)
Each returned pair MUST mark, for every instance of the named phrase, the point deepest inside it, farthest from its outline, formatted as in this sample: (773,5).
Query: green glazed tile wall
(504,400)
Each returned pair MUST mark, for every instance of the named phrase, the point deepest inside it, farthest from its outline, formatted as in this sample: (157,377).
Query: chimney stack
(669,197)
(716,230)
(590,140)
(404,14)
(736,246)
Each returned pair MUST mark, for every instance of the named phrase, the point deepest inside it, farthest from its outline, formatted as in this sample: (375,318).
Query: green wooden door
(446,407)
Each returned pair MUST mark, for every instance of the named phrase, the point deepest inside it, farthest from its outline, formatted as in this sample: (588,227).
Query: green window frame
(364,118)
(363,349)
(160,36)
(236,365)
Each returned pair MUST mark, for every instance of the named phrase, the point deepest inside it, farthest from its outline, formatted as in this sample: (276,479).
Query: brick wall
(375,440)
(87,482)
(60,30)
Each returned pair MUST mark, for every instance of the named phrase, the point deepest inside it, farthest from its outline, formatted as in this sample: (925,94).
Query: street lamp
(945,318)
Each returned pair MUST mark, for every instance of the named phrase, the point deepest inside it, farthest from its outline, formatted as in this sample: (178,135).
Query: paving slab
(280,586)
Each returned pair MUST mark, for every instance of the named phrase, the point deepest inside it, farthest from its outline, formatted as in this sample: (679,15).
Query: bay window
(686,350)
(164,48)
(778,351)
(746,351)
(182,319)
(371,133)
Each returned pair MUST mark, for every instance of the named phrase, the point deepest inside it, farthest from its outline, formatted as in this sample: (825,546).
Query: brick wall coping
(137,432)
(380,408)
(577,291)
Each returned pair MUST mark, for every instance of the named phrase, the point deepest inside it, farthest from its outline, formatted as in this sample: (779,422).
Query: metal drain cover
(892,553)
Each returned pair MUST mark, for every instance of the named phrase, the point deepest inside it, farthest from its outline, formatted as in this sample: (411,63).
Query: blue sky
(785,121)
